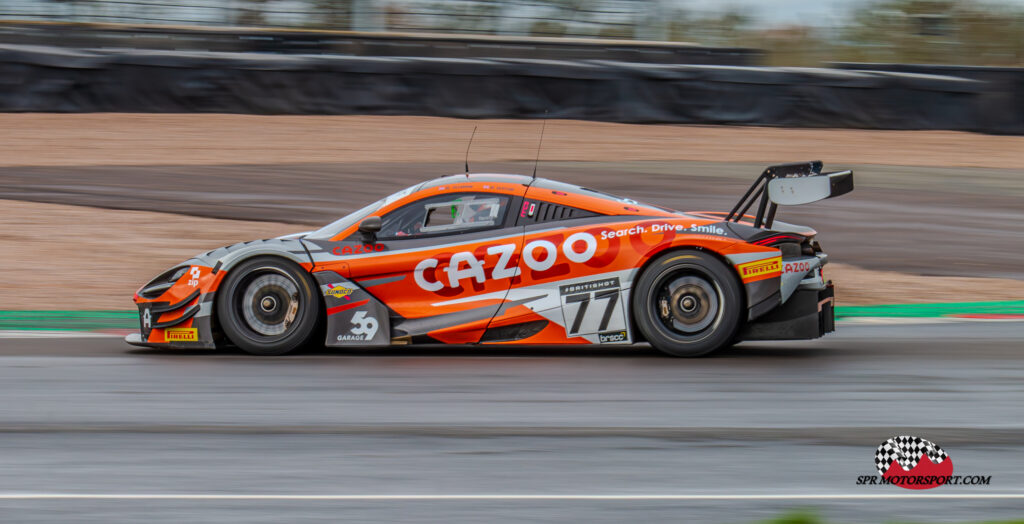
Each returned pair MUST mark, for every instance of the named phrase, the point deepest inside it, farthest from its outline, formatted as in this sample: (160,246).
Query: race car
(512,259)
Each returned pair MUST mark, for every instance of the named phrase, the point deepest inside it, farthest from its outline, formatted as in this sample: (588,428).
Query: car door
(569,274)
(444,263)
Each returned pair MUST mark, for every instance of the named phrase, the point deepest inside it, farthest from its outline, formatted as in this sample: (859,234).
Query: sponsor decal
(760,268)
(356,250)
(663,228)
(580,318)
(635,230)
(339,292)
(193,279)
(147,319)
(366,328)
(595,285)
(528,210)
(611,337)
(432,274)
(538,255)
(709,229)
(181,334)
(796,267)
(915,463)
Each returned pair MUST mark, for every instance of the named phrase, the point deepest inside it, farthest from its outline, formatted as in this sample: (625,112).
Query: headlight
(162,283)
(178,274)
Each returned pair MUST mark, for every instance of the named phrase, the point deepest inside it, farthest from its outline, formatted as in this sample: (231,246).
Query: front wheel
(268,306)
(688,303)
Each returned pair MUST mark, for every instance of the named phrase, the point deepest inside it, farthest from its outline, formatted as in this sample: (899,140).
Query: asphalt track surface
(470,434)
(923,220)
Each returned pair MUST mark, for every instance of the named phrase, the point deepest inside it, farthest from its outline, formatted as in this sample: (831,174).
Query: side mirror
(369,228)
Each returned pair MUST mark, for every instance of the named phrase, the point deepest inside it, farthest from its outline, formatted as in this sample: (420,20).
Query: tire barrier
(54,79)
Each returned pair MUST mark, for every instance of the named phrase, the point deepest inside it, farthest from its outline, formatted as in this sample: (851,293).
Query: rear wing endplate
(790,185)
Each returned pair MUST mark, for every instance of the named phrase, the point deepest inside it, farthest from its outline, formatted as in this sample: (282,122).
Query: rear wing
(790,185)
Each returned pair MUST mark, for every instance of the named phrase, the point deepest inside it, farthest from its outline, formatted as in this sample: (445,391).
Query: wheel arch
(271,254)
(232,258)
(655,254)
(226,258)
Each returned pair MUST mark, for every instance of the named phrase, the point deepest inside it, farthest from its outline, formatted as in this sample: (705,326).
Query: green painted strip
(129,319)
(69,320)
(1011,307)
(809,517)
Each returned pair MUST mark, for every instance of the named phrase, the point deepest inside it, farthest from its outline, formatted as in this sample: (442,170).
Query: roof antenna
(467,149)
(541,141)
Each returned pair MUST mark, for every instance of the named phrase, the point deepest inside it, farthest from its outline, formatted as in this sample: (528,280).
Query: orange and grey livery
(511,259)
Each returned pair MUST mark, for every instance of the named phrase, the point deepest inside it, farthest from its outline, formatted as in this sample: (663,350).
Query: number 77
(584,299)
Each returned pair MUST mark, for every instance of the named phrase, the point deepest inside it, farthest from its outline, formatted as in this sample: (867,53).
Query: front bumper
(809,313)
(136,339)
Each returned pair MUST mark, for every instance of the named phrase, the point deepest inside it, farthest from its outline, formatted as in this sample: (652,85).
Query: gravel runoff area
(32,139)
(74,257)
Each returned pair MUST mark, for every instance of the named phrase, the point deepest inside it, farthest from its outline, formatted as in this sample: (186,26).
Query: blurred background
(136,133)
(787,32)
(895,64)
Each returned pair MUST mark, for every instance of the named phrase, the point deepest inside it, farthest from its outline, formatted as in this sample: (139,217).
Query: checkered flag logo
(907,450)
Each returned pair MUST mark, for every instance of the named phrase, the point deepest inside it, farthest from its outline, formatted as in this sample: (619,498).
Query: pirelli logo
(181,334)
(760,268)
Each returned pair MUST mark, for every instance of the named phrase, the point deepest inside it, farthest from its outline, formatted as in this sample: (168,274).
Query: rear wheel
(688,303)
(268,306)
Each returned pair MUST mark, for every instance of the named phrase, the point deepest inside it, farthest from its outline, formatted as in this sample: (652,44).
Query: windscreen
(332,229)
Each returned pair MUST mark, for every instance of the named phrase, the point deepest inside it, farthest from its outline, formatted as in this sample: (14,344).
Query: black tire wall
(52,79)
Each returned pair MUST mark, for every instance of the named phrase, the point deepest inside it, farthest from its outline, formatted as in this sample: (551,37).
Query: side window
(443,214)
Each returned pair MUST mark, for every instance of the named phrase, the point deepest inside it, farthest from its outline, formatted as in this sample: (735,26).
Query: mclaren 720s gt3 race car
(512,259)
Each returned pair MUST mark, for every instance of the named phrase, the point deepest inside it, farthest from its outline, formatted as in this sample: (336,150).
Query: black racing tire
(268,306)
(688,303)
